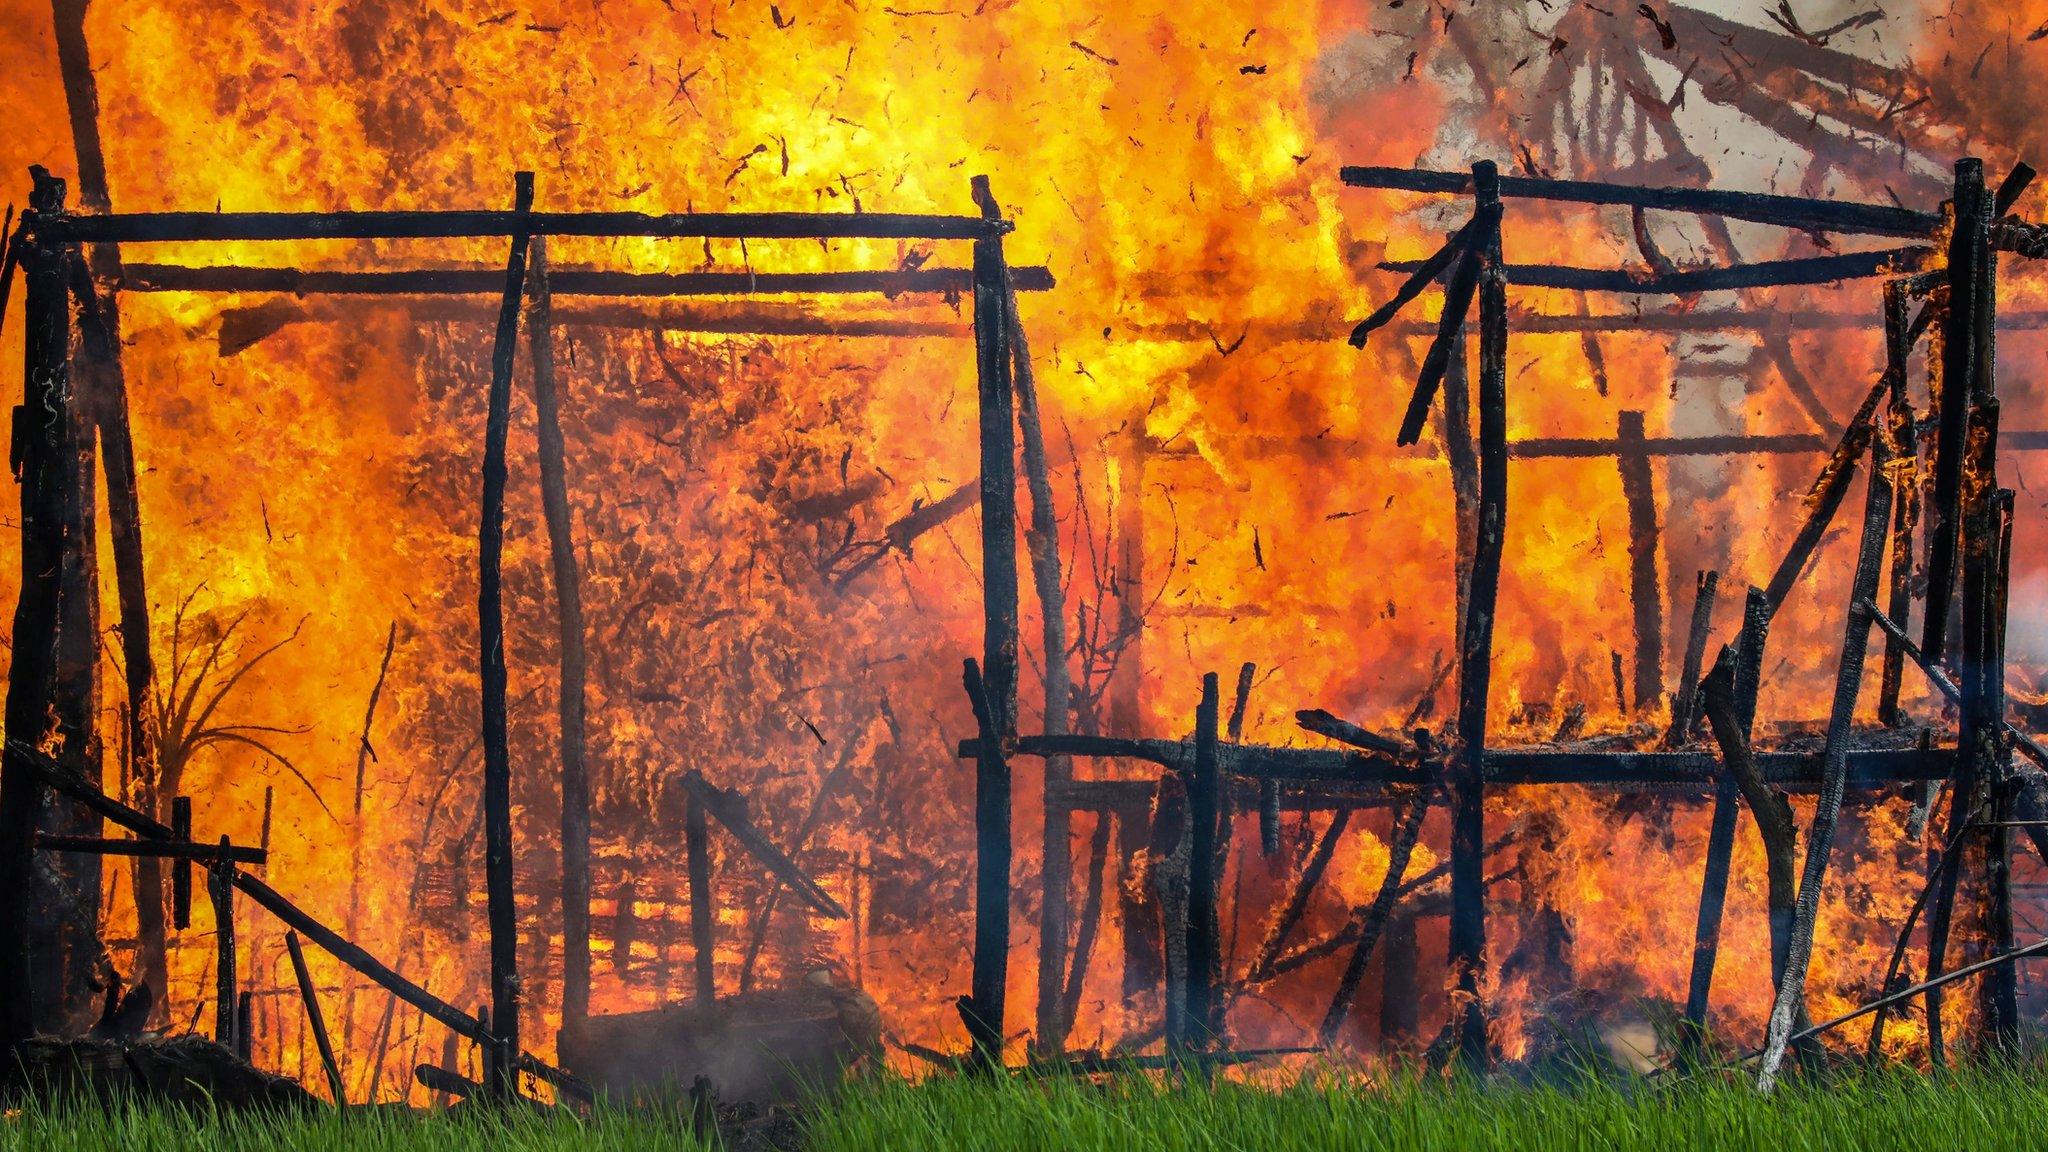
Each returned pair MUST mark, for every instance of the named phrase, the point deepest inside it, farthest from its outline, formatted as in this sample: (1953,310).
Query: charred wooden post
(1971,274)
(1870,556)
(697,843)
(1138,914)
(982,1009)
(1986,556)
(1091,915)
(181,874)
(1463,457)
(1757,612)
(316,1020)
(501,1072)
(1899,443)
(1982,749)
(220,889)
(554,490)
(1985,582)
(1685,706)
(44,446)
(996,392)
(1736,673)
(99,319)
(1127,683)
(245,1026)
(1042,541)
(1645,590)
(1966,396)
(1706,945)
(1468,792)
(1201,1021)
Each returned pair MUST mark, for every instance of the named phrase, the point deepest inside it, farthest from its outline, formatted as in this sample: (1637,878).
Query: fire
(310,464)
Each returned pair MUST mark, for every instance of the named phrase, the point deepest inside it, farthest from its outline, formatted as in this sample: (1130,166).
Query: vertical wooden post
(100,326)
(1475,675)
(181,871)
(1969,251)
(245,1026)
(697,842)
(998,469)
(2001,992)
(1043,542)
(42,449)
(554,491)
(1127,685)
(994,682)
(1965,352)
(1720,834)
(982,1009)
(1900,442)
(1981,745)
(220,890)
(1706,946)
(1462,456)
(1645,589)
(1201,1005)
(501,1068)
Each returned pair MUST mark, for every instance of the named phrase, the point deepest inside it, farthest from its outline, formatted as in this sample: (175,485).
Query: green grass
(136,1129)
(1987,1108)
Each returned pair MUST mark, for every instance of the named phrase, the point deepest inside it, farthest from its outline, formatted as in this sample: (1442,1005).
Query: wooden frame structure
(1969,525)
(71,265)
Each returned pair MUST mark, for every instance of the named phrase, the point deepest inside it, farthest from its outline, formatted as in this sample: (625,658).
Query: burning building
(554,587)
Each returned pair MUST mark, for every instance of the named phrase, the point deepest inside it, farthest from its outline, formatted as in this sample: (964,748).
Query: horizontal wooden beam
(566,282)
(1568,447)
(1794,771)
(1761,208)
(162,227)
(1762,274)
(168,849)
